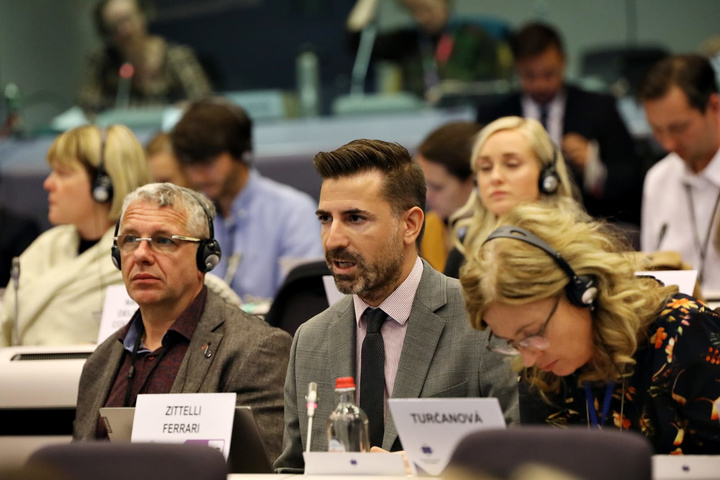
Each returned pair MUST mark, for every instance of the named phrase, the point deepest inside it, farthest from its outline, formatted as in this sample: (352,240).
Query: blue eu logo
(427,450)
(353,462)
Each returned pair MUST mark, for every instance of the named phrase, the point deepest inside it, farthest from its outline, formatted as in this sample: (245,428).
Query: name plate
(684,279)
(431,428)
(200,418)
(117,311)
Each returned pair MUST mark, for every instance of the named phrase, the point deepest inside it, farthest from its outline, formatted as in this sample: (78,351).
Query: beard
(370,280)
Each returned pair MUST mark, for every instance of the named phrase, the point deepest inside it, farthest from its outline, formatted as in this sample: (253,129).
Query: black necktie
(544,110)
(372,375)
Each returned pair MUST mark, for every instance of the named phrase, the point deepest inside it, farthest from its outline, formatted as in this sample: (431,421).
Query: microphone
(15,277)
(125,74)
(661,235)
(312,399)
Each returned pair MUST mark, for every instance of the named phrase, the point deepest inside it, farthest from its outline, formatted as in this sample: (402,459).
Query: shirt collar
(241,203)
(184,325)
(399,303)
(710,173)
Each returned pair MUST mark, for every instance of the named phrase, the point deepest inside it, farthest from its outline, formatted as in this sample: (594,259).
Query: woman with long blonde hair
(65,271)
(595,343)
(513,161)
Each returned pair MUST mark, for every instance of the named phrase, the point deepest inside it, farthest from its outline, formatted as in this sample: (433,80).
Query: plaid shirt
(174,344)
(182,78)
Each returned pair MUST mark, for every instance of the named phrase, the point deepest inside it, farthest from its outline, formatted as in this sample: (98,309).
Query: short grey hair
(196,207)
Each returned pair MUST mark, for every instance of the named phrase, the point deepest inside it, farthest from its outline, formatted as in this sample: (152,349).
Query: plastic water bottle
(308,82)
(348,425)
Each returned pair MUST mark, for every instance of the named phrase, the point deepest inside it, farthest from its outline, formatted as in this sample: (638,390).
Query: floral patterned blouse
(673,395)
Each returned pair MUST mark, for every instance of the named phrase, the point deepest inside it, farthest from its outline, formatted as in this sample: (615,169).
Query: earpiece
(101,186)
(208,252)
(549,180)
(581,290)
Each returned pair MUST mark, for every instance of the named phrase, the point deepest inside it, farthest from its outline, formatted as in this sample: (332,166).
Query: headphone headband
(101,188)
(208,253)
(581,290)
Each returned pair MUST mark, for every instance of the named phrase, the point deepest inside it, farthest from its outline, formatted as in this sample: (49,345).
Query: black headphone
(208,253)
(581,290)
(101,187)
(549,180)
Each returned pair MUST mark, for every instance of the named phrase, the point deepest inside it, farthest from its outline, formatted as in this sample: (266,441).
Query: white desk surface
(665,467)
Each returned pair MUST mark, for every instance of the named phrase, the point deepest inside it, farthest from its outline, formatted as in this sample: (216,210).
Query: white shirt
(595,172)
(666,214)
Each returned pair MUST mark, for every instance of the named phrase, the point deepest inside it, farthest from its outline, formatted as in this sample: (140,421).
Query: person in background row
(681,197)
(444,156)
(401,331)
(587,126)
(597,345)
(153,71)
(438,48)
(261,223)
(164,165)
(183,338)
(514,161)
(64,273)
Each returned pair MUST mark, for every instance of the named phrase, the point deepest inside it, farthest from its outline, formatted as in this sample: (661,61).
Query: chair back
(123,461)
(582,453)
(301,297)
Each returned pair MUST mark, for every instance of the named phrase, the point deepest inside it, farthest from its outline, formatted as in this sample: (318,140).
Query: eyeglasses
(533,342)
(157,243)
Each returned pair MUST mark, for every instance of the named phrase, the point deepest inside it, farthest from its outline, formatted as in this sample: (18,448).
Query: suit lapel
(421,340)
(341,340)
(196,364)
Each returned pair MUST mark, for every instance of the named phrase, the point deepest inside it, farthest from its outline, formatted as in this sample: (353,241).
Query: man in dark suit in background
(586,126)
(401,330)
(184,338)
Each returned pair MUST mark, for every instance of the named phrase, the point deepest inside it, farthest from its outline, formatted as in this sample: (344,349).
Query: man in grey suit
(371,211)
(183,338)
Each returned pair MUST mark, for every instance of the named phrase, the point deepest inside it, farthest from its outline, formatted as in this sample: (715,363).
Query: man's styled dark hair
(693,74)
(404,184)
(451,146)
(533,39)
(210,128)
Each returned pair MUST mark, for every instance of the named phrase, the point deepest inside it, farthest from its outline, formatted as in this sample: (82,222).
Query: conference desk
(283,151)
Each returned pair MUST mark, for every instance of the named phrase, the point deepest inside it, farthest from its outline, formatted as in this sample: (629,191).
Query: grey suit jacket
(249,358)
(442,357)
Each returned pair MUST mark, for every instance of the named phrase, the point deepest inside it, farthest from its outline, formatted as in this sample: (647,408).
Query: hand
(401,452)
(575,149)
(361,14)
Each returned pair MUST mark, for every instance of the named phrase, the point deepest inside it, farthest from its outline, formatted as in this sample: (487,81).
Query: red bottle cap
(344,382)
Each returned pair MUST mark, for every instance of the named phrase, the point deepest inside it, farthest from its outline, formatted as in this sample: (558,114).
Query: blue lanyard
(591,403)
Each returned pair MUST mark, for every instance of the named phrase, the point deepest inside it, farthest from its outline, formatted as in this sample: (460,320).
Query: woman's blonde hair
(514,272)
(476,220)
(122,155)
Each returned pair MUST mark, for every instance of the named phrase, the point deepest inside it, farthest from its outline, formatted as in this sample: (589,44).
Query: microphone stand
(311,406)
(15,275)
(362,59)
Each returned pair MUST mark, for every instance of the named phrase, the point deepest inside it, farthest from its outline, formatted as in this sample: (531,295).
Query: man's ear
(714,103)
(413,220)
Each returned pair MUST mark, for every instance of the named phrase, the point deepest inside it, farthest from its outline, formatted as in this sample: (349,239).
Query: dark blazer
(595,117)
(250,358)
(442,357)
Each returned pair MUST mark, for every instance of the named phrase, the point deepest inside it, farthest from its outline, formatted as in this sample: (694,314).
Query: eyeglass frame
(511,349)
(150,241)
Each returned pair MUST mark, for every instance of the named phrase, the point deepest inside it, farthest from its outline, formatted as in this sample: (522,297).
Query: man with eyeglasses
(184,338)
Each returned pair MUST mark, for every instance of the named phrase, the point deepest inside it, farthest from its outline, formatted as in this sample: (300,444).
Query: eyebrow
(520,329)
(352,211)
